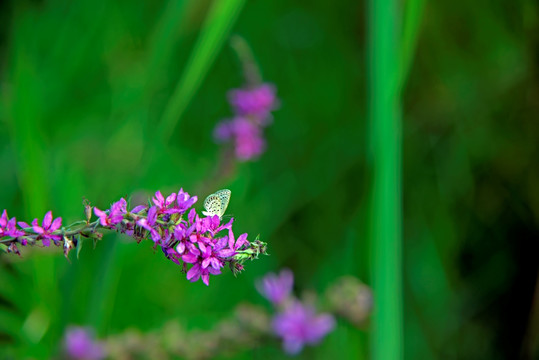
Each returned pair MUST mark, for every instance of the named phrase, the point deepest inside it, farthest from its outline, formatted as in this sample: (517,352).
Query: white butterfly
(216,203)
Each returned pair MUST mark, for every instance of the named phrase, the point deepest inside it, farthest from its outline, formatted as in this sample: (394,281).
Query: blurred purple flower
(223,131)
(256,102)
(79,343)
(48,226)
(298,325)
(252,107)
(249,142)
(276,288)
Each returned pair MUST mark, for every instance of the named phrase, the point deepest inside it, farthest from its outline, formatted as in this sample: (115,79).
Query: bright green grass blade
(385,144)
(216,28)
(413,14)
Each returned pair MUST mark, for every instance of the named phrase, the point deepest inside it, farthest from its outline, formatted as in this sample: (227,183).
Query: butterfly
(216,203)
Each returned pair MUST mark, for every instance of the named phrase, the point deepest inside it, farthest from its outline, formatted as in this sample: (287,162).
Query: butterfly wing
(216,204)
(224,195)
(213,205)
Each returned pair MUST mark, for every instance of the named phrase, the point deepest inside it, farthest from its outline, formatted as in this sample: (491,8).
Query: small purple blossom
(48,226)
(8,227)
(79,343)
(299,325)
(197,272)
(184,201)
(276,288)
(256,102)
(162,203)
(148,223)
(115,214)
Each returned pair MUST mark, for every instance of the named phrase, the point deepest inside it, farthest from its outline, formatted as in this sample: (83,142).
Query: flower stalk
(204,243)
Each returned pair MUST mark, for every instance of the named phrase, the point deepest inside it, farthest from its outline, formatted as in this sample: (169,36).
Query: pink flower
(48,226)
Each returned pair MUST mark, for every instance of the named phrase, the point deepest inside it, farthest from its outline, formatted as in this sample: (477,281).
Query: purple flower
(298,325)
(162,203)
(8,227)
(276,288)
(252,107)
(248,139)
(197,272)
(196,242)
(184,201)
(174,203)
(48,226)
(138,209)
(182,235)
(223,131)
(148,223)
(79,343)
(234,244)
(256,102)
(247,135)
(114,216)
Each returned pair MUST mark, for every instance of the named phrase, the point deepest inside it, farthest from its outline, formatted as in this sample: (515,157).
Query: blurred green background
(83,90)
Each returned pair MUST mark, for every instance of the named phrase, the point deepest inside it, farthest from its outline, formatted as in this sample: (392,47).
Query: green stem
(385,144)
(87,228)
(251,72)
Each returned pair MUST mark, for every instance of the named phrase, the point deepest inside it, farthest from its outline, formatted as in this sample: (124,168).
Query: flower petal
(56,224)
(47,220)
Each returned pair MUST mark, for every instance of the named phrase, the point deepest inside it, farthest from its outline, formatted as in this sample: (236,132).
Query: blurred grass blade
(413,14)
(216,28)
(385,144)
(167,35)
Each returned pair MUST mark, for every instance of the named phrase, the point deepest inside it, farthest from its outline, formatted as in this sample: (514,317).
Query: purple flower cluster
(295,322)
(80,343)
(201,245)
(252,107)
(203,242)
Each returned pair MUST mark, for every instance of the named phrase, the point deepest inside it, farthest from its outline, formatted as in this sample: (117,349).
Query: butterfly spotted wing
(224,195)
(216,203)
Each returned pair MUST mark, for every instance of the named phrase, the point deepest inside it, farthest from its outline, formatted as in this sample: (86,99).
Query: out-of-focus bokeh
(83,90)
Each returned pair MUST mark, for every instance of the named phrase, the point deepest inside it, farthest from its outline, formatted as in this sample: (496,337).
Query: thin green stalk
(385,137)
(216,28)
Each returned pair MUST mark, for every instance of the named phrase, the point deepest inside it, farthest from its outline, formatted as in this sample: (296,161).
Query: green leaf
(80,240)
(215,30)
